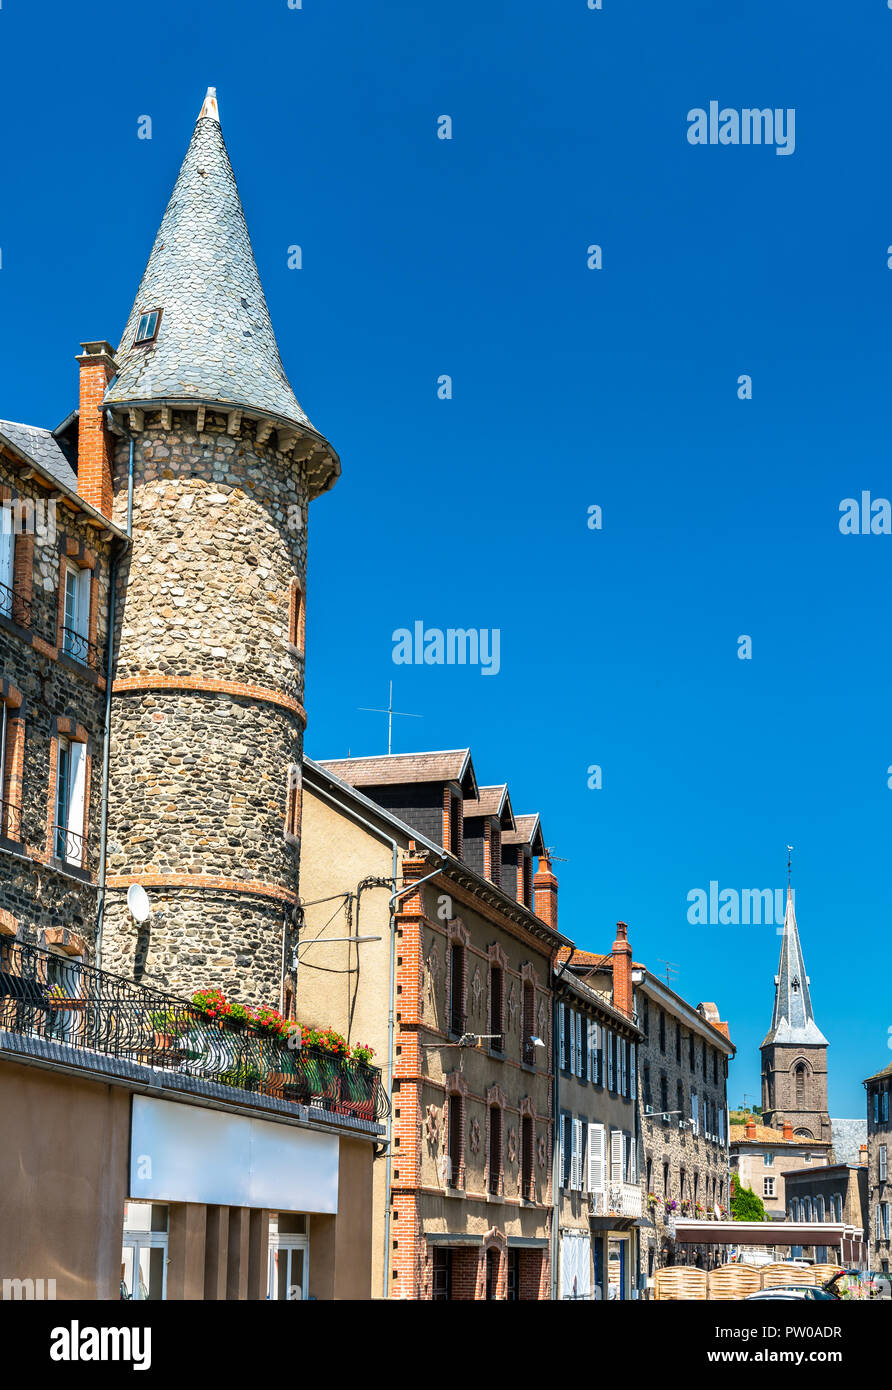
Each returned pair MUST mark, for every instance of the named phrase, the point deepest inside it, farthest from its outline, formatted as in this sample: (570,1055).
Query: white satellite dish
(138,902)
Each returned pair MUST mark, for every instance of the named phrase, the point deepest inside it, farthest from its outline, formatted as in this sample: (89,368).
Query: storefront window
(289,1256)
(144,1253)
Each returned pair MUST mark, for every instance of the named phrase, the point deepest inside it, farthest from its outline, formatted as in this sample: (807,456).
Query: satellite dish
(138,902)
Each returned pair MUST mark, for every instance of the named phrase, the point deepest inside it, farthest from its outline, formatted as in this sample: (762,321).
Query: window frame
(144,339)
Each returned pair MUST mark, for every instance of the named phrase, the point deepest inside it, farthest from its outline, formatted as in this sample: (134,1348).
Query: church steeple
(794,1050)
(793,1019)
(211,342)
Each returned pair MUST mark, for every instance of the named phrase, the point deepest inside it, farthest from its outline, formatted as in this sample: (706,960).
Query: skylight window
(147,328)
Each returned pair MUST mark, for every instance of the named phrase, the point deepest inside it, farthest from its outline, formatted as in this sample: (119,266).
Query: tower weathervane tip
(210,108)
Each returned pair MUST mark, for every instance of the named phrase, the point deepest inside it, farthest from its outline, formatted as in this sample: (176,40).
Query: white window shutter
(597,1158)
(694,1112)
(616,1155)
(574,1155)
(84,585)
(74,851)
(593,1050)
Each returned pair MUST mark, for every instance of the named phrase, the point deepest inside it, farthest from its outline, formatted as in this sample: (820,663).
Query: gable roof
(42,448)
(528,831)
(491,801)
(398,769)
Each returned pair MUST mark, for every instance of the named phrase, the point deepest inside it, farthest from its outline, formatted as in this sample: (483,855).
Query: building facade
(831,1192)
(879,1183)
(761,1157)
(450,983)
(794,1050)
(598,1180)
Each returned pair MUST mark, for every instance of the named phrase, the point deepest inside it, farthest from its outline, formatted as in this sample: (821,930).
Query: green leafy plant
(363,1053)
(745,1205)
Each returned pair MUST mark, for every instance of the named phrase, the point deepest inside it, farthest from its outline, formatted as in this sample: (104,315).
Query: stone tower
(220,463)
(794,1051)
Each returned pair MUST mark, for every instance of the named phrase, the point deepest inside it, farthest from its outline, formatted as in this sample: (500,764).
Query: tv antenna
(558,858)
(671,967)
(390,712)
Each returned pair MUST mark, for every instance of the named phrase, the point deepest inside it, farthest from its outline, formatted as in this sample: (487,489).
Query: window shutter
(77,782)
(563,1159)
(580,1162)
(583,1046)
(593,1031)
(597,1155)
(84,585)
(7,548)
(695,1112)
(617,1143)
(574,1155)
(882,1163)
(633,1072)
(563,1036)
(609,1059)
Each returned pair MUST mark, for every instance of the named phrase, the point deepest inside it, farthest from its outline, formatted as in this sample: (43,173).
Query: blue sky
(571,388)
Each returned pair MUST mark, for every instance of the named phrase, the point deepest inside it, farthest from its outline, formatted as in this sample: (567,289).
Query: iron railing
(50,996)
(10,818)
(69,846)
(80,648)
(14,607)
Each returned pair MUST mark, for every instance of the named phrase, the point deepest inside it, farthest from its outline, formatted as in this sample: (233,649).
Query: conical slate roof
(793,1020)
(215,343)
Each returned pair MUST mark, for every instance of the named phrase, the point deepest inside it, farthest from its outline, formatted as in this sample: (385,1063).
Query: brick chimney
(788,1130)
(622,970)
(95,445)
(862,1155)
(750,1128)
(545,891)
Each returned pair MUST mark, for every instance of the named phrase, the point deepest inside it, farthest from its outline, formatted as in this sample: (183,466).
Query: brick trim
(126,685)
(251,887)
(12,778)
(64,940)
(8,924)
(22,578)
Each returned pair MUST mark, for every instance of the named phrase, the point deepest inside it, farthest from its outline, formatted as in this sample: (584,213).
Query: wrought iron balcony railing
(79,648)
(10,818)
(70,846)
(63,1000)
(13,606)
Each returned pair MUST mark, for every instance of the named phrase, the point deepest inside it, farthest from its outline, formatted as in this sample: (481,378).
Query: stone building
(831,1192)
(794,1050)
(762,1157)
(57,551)
(181,487)
(598,1176)
(450,982)
(879,1183)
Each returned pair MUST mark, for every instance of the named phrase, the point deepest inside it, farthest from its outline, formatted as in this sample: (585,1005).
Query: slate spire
(793,1020)
(215,344)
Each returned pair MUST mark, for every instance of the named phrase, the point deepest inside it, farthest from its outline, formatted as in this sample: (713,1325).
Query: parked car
(793,1293)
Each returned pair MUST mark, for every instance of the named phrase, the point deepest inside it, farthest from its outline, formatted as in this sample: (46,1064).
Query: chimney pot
(788,1130)
(750,1128)
(622,970)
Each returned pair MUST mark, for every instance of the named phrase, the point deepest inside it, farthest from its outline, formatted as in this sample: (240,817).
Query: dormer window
(147,328)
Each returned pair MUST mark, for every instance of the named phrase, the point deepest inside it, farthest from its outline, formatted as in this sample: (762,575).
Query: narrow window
(293,798)
(495,1149)
(526,1157)
(147,328)
(296,617)
(662,1031)
(800,1086)
(492,1274)
(678,1043)
(7,557)
(529,1025)
(527,881)
(69,830)
(457,987)
(691,1060)
(76,614)
(496,1008)
(454,1140)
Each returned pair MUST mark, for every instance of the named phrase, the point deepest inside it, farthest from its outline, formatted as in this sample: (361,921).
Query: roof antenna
(390,712)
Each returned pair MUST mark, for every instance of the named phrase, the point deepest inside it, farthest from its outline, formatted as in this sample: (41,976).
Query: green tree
(745,1205)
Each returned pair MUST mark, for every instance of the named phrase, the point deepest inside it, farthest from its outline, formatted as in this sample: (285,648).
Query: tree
(745,1205)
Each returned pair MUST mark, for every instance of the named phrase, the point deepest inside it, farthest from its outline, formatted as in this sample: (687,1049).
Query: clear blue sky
(571,388)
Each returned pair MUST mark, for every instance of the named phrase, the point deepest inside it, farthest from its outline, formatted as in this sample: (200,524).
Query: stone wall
(48,694)
(207,715)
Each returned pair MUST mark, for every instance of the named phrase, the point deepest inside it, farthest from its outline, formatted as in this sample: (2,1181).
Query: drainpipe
(106,744)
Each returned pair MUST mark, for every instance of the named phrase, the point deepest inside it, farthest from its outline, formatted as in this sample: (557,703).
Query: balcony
(59,1000)
(76,646)
(14,606)
(620,1199)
